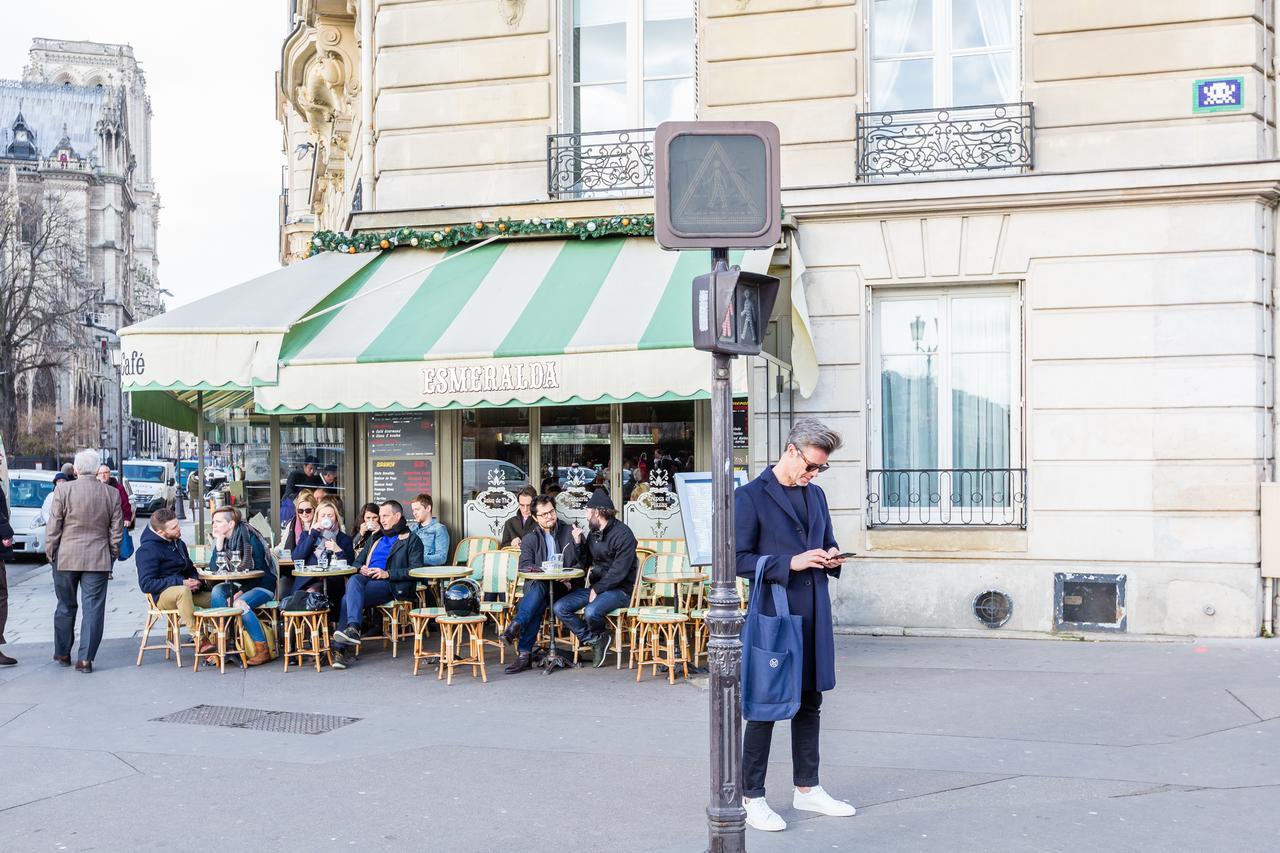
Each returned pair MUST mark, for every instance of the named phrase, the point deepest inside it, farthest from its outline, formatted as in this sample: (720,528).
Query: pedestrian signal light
(731,310)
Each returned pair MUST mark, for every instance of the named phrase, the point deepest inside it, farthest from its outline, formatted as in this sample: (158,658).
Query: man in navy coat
(781,514)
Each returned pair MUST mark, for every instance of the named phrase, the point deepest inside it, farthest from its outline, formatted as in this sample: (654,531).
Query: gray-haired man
(82,542)
(783,517)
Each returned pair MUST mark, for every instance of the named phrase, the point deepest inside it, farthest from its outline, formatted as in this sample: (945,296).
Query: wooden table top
(687,577)
(229,576)
(321,572)
(559,575)
(440,573)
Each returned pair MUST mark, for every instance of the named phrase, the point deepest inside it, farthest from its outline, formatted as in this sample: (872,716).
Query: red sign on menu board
(401,480)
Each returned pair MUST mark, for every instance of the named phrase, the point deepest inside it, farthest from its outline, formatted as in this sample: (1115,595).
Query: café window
(655,437)
(575,445)
(946,423)
(495,450)
(630,63)
(402,455)
(943,53)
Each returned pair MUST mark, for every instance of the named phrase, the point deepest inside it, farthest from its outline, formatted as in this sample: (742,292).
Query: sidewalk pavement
(943,744)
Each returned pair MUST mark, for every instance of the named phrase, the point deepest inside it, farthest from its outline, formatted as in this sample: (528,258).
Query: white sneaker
(818,800)
(761,817)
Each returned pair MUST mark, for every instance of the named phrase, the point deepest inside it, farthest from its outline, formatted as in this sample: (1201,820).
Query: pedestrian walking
(6,550)
(82,542)
(784,518)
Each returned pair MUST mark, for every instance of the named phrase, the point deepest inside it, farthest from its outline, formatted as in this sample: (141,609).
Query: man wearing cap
(305,479)
(610,556)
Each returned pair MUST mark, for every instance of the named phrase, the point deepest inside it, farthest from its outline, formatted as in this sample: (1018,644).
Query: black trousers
(758,737)
(4,601)
(92,589)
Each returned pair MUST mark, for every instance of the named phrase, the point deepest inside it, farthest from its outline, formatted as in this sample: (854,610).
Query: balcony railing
(600,164)
(906,143)
(948,497)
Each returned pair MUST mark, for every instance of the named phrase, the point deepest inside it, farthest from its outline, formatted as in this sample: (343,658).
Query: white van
(152,481)
(28,489)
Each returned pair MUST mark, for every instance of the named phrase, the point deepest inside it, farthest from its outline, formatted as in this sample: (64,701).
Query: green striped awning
(512,322)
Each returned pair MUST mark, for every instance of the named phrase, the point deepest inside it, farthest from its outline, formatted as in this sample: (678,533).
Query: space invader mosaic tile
(1219,94)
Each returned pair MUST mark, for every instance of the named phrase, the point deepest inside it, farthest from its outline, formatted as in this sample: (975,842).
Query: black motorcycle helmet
(462,598)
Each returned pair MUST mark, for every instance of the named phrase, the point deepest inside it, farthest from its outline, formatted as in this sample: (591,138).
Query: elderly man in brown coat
(82,541)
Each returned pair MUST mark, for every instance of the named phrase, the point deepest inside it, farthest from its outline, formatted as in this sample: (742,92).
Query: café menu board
(741,413)
(694,490)
(402,436)
(401,480)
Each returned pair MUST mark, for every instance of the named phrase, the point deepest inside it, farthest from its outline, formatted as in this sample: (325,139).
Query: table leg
(553,661)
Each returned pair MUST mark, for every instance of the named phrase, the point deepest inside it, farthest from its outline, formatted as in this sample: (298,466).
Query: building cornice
(1259,180)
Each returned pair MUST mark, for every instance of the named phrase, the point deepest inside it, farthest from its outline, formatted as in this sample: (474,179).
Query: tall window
(632,63)
(943,53)
(945,430)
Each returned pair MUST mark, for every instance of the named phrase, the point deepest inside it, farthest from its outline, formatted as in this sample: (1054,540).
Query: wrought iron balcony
(906,143)
(600,163)
(947,497)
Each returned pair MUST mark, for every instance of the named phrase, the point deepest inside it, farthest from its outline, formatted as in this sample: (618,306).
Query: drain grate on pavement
(285,722)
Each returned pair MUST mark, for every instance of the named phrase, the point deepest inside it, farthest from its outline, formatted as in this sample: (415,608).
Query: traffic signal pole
(726,818)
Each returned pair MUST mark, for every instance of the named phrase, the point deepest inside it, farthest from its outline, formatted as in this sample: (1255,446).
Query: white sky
(215,139)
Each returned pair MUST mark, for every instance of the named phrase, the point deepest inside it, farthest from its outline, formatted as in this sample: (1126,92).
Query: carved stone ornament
(319,96)
(724,661)
(512,11)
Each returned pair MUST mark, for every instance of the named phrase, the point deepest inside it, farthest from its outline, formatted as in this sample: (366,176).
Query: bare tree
(45,290)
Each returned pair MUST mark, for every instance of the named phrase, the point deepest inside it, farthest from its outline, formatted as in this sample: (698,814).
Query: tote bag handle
(780,606)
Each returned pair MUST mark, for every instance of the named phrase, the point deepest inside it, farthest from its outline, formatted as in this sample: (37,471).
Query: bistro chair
(663,546)
(496,570)
(221,627)
(662,642)
(172,632)
(306,634)
(471,545)
(698,615)
(393,619)
(420,623)
(453,630)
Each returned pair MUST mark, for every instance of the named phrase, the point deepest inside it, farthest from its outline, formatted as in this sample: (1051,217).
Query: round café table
(441,575)
(321,572)
(676,579)
(553,660)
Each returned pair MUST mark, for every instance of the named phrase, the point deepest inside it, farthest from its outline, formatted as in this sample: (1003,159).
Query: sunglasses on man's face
(809,467)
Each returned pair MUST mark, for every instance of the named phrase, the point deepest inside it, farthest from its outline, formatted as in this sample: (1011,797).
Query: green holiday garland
(447,236)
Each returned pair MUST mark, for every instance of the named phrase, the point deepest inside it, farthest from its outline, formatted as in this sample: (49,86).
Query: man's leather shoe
(511,632)
(5,660)
(520,664)
(63,660)
(85,666)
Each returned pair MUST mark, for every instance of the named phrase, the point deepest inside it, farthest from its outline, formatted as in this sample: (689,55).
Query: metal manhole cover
(287,722)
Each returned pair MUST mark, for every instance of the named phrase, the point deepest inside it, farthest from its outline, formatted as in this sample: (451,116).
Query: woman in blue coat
(781,514)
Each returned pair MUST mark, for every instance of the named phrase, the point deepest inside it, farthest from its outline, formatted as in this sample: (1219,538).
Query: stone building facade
(1036,241)
(78,126)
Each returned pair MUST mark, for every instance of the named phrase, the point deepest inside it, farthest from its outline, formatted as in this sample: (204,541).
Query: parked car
(28,489)
(475,475)
(153,484)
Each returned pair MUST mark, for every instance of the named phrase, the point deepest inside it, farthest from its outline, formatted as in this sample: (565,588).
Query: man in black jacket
(611,555)
(550,538)
(165,570)
(6,549)
(384,565)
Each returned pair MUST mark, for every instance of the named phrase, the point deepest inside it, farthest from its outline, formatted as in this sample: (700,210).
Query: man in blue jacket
(165,570)
(782,516)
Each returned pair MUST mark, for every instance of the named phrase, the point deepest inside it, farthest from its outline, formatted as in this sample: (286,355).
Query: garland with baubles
(448,236)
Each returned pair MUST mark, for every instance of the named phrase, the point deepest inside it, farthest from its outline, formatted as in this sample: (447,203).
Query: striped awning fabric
(527,322)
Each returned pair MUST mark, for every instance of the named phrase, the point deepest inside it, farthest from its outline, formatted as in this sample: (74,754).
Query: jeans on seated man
(384,565)
(610,554)
(165,570)
(549,538)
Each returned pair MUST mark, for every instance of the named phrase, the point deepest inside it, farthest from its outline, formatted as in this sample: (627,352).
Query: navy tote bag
(772,656)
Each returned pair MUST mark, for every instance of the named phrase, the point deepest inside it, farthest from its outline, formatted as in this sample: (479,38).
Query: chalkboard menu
(741,439)
(401,480)
(402,436)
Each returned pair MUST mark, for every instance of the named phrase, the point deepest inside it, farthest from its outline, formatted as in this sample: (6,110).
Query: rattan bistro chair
(172,644)
(472,545)
(497,570)
(221,627)
(664,546)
